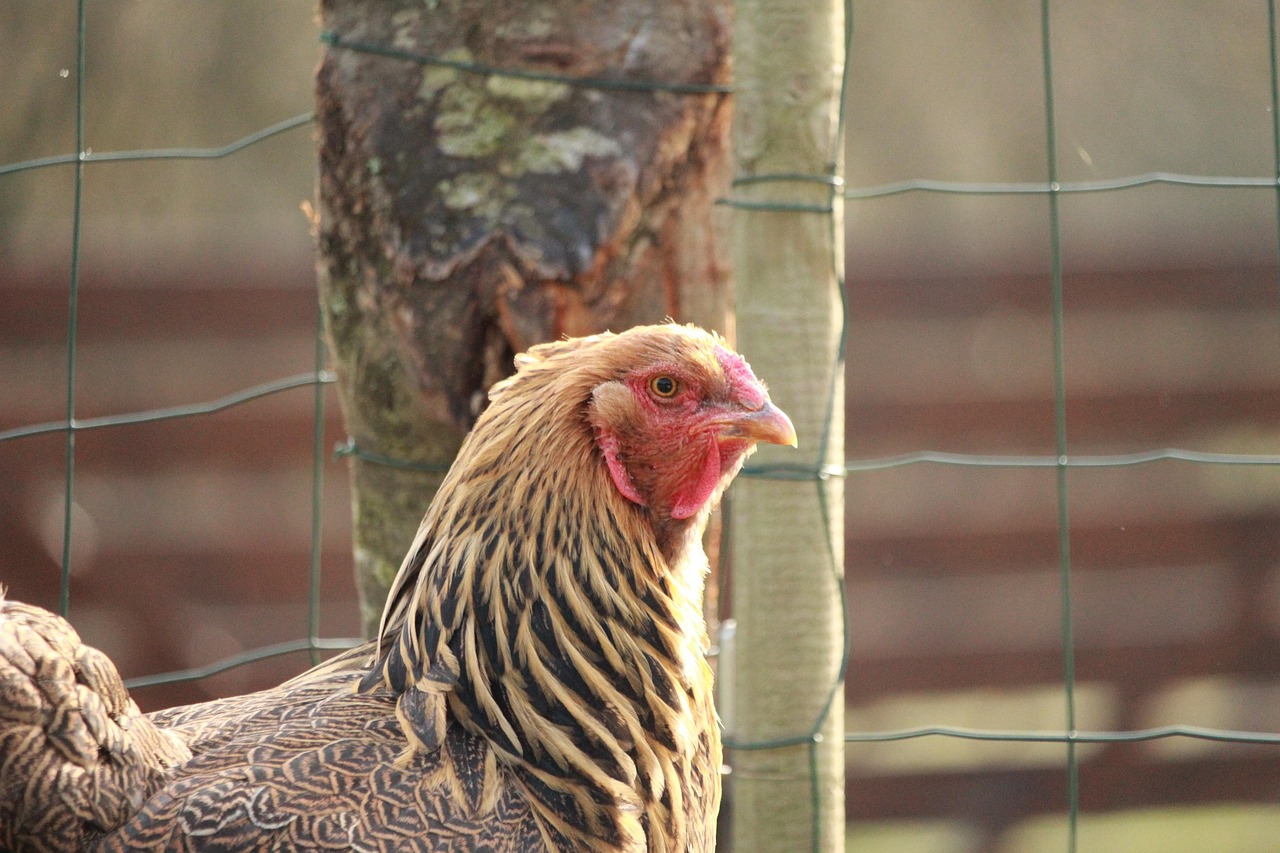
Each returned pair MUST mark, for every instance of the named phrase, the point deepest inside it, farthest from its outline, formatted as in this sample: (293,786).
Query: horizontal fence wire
(87,156)
(587,82)
(311,644)
(1062,461)
(1132,736)
(1115,460)
(230,401)
(1128,182)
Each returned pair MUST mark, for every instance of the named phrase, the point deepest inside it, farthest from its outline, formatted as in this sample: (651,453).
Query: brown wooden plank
(204,303)
(1125,779)
(869,678)
(1095,424)
(971,295)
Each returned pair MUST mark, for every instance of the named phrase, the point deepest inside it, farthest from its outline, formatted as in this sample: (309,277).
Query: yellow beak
(768,423)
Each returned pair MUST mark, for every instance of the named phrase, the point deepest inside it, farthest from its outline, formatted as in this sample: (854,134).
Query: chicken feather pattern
(538,681)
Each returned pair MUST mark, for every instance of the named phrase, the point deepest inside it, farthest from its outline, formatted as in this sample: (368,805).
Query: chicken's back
(316,765)
(309,765)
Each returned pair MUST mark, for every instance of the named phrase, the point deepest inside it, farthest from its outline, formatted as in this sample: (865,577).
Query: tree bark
(466,212)
(786,535)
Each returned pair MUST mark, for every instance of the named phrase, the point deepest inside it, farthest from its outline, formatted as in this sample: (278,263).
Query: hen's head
(676,426)
(671,410)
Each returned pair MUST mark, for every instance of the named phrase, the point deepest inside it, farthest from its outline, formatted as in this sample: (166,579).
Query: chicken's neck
(568,638)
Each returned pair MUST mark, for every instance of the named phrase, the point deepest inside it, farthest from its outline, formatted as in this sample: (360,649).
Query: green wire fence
(1063,462)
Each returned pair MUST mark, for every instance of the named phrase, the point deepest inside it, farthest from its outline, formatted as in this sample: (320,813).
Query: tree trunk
(787,534)
(494,175)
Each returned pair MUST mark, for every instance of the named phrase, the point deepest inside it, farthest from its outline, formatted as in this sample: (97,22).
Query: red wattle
(695,495)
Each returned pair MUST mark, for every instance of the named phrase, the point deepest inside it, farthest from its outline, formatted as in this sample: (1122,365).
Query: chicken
(538,681)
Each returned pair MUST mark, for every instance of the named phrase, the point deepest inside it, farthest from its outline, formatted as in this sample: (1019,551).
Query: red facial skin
(682,433)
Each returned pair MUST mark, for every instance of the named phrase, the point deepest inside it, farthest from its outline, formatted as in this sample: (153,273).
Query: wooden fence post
(786,533)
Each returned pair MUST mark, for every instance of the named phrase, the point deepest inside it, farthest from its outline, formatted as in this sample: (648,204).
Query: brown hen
(538,682)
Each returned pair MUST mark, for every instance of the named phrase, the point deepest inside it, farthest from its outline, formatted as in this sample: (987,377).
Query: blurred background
(191,538)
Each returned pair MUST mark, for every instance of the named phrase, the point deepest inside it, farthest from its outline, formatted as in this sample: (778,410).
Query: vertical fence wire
(317,494)
(1274,67)
(1060,429)
(73,320)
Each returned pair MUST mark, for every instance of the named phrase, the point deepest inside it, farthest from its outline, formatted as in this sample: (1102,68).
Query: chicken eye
(664,386)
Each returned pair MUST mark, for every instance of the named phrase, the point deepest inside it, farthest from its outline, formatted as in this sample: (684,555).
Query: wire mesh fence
(1058,456)
(1083,463)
